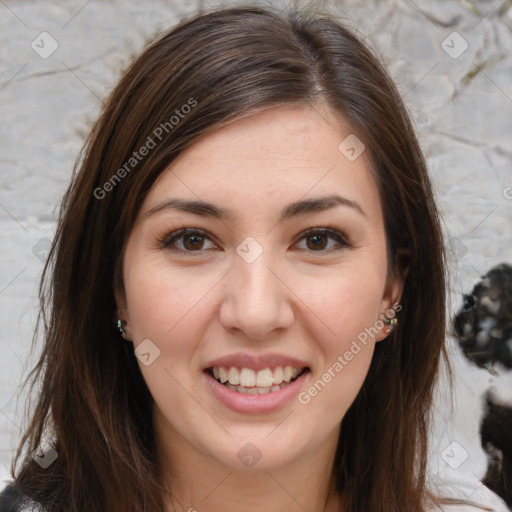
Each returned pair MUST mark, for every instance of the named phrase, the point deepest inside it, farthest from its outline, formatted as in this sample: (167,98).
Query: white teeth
(254,390)
(287,373)
(234,376)
(249,381)
(278,375)
(264,378)
(223,374)
(247,377)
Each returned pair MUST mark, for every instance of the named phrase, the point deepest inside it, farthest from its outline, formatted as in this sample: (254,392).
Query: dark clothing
(14,500)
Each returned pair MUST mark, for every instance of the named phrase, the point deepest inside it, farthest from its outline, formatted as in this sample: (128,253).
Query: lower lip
(255,404)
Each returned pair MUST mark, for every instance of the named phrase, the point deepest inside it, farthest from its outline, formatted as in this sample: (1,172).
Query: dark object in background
(484,330)
(484,324)
(496,438)
(13,499)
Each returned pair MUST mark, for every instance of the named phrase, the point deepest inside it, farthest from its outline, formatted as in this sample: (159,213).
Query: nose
(256,300)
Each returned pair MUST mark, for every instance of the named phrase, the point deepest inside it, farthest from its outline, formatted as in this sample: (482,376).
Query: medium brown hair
(231,63)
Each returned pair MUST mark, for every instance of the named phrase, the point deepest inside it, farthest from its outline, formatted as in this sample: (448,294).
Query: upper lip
(256,361)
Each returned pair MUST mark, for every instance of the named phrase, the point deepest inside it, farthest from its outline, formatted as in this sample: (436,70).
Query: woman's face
(289,318)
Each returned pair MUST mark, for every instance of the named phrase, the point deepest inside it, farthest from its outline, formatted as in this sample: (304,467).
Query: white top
(464,494)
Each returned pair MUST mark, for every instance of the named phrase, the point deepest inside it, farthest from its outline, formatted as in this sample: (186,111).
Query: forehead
(268,159)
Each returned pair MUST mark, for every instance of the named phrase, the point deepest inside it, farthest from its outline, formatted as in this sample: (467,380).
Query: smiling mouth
(252,382)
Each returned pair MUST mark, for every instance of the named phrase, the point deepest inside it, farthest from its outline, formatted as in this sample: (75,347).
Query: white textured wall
(462,105)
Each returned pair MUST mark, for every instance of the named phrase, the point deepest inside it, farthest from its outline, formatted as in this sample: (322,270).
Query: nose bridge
(256,299)
(258,282)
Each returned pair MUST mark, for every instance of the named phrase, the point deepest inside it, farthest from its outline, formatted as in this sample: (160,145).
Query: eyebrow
(295,209)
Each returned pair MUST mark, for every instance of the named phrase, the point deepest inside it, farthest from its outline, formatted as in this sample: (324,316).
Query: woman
(254,216)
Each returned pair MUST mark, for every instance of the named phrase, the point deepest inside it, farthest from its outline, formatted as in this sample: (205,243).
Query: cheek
(160,300)
(162,305)
(346,302)
(344,321)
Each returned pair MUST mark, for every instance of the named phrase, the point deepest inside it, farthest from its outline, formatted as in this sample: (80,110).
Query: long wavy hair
(92,399)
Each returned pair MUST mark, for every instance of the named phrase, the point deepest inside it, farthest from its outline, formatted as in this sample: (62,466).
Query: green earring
(119,326)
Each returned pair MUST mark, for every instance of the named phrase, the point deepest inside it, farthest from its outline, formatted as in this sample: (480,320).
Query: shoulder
(465,495)
(13,499)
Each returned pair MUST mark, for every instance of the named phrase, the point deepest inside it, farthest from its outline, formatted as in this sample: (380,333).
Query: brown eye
(318,239)
(318,242)
(192,241)
(185,240)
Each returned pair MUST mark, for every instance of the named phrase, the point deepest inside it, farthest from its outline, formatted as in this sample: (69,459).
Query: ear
(121,312)
(390,304)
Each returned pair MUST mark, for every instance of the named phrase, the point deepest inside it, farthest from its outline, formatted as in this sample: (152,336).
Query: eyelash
(167,241)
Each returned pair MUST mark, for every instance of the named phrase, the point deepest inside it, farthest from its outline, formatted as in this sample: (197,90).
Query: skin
(307,302)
